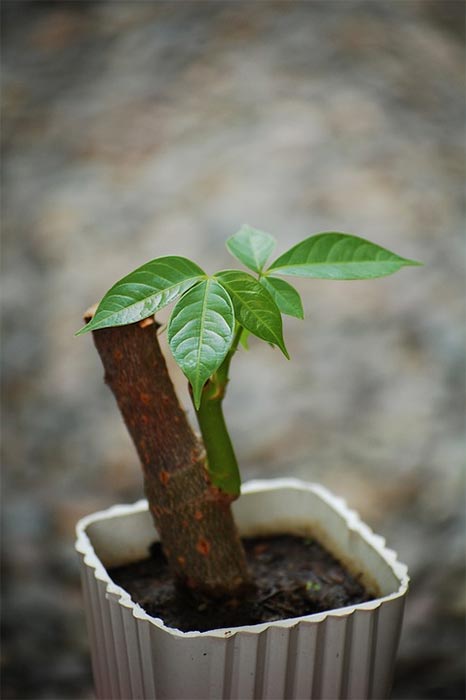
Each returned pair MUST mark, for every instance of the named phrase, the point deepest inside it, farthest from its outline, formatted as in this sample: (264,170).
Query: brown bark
(193,518)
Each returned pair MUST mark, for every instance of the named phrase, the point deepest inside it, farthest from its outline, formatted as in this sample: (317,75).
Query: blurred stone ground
(133,130)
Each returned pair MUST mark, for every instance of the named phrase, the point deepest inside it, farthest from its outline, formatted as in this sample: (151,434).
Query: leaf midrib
(259,267)
(201,334)
(399,261)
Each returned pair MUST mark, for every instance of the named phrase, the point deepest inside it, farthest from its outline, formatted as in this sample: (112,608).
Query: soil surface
(293,576)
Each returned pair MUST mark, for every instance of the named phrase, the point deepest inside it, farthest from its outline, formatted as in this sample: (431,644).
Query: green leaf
(200,332)
(285,296)
(251,247)
(145,291)
(255,308)
(338,256)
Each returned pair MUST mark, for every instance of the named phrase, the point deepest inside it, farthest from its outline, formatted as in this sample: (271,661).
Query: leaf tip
(285,351)
(300,313)
(84,329)
(197,395)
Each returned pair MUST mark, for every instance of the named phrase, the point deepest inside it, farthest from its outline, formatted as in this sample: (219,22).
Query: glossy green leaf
(145,291)
(255,308)
(251,247)
(200,332)
(338,256)
(285,296)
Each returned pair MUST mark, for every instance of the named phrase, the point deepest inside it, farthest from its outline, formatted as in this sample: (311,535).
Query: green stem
(221,459)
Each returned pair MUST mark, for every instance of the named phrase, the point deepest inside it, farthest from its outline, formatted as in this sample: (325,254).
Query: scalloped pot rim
(353,522)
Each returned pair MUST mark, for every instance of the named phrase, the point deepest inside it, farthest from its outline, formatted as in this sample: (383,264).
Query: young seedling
(190,484)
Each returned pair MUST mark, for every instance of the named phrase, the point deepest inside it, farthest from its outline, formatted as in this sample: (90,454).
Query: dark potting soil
(293,576)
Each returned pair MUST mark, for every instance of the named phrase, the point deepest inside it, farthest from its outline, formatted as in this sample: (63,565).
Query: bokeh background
(137,129)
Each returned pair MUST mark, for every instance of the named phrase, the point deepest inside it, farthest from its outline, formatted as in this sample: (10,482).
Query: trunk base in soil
(293,576)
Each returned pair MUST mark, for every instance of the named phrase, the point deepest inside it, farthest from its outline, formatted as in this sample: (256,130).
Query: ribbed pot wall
(344,654)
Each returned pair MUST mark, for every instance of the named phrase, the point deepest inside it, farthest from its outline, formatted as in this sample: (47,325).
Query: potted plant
(324,647)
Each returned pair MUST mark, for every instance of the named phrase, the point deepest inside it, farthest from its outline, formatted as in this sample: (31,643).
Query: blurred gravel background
(132,130)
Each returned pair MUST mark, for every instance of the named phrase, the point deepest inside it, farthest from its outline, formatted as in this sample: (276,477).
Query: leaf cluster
(214,312)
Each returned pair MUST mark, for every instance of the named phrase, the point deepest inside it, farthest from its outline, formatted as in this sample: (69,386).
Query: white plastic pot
(345,653)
